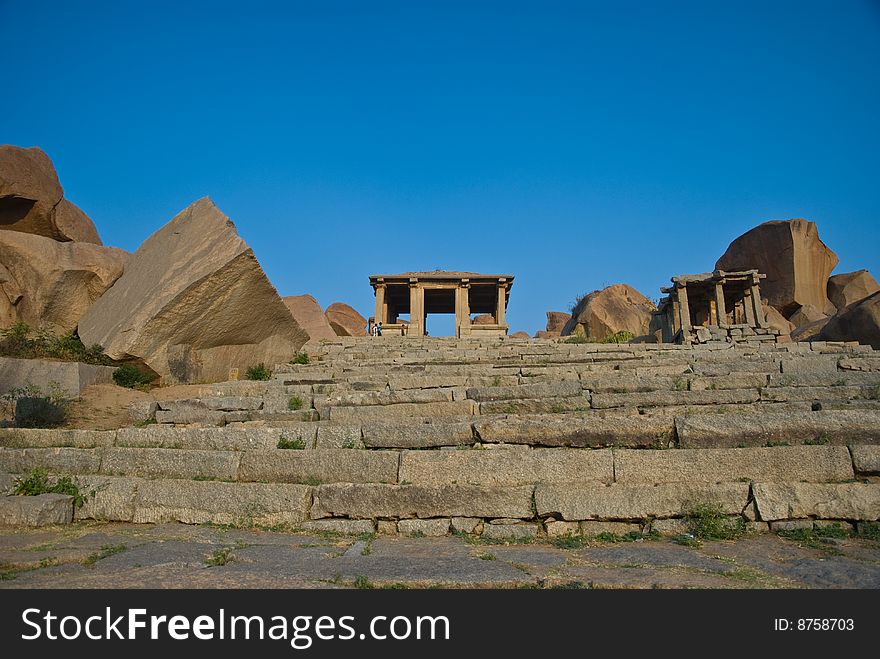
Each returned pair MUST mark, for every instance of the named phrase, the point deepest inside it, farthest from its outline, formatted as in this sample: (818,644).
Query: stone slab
(846,501)
(423,501)
(199,502)
(424,435)
(319,466)
(866,459)
(780,463)
(499,468)
(832,426)
(634,431)
(40,510)
(636,502)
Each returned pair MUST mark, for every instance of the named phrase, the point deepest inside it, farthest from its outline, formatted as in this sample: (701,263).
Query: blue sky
(572,144)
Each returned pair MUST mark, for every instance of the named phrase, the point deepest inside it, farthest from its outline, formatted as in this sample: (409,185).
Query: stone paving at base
(121,555)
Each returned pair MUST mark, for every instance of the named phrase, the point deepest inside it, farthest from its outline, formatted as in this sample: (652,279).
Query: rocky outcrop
(32,200)
(49,284)
(850,287)
(345,321)
(796,262)
(807,315)
(858,322)
(520,335)
(193,304)
(617,308)
(556,321)
(483,319)
(777,321)
(307,313)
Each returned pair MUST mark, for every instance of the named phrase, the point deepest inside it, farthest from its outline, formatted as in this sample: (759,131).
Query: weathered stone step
(684,397)
(193,502)
(560,390)
(833,393)
(365,501)
(537,405)
(423,435)
(266,466)
(795,463)
(845,501)
(728,430)
(401,410)
(579,431)
(389,398)
(637,502)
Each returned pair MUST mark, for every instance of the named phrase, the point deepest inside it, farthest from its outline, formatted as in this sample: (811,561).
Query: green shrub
(300,358)
(34,409)
(258,372)
(707,522)
(297,444)
(20,341)
(619,337)
(295,403)
(37,482)
(131,376)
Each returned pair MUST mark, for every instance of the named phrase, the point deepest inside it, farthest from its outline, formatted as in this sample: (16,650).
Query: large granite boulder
(796,262)
(483,319)
(193,304)
(32,200)
(345,321)
(850,287)
(556,321)
(807,315)
(617,308)
(308,314)
(858,322)
(49,284)
(776,320)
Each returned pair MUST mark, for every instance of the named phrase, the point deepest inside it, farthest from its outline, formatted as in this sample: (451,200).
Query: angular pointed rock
(194,304)
(307,313)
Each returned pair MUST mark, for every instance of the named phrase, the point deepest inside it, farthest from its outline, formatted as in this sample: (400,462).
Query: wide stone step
(579,431)
(389,398)
(142,500)
(637,502)
(579,403)
(560,390)
(825,427)
(796,463)
(846,501)
(370,500)
(683,397)
(265,466)
(348,414)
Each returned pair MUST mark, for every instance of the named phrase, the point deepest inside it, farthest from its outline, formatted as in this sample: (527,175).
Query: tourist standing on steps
(378,329)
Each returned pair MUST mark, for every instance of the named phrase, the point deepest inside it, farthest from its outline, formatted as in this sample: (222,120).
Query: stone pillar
(462,309)
(416,309)
(675,323)
(720,307)
(380,315)
(683,307)
(501,303)
(760,321)
(750,309)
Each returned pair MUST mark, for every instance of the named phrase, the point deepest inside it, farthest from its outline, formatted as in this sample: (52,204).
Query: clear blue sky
(573,144)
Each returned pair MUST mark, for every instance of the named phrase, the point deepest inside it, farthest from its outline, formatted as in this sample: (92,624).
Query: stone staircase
(509,438)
